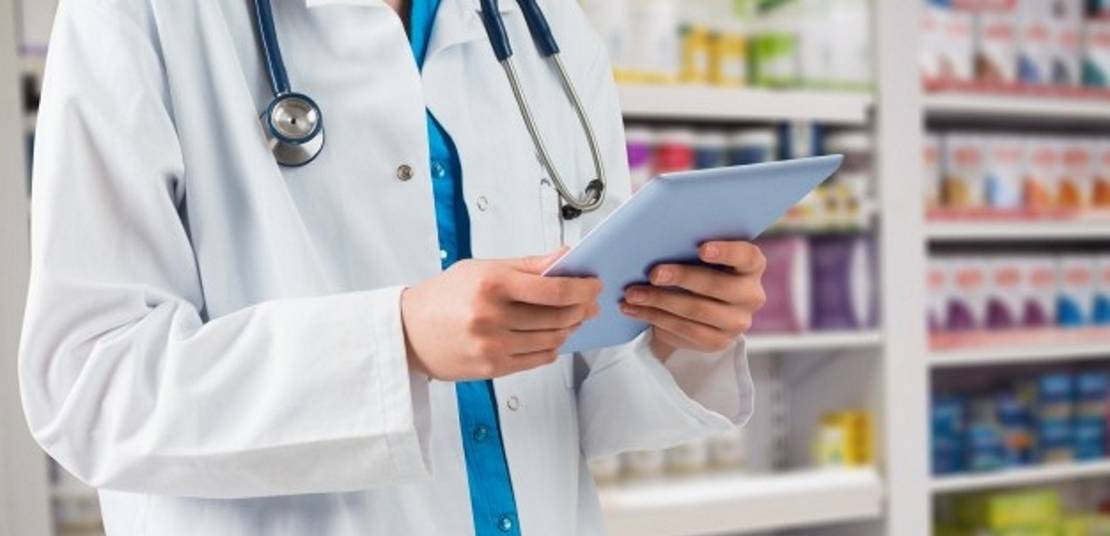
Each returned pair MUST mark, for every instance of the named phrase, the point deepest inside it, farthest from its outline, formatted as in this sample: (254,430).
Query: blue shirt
(491,489)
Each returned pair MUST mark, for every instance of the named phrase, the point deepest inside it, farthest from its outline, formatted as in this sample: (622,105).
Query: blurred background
(931,360)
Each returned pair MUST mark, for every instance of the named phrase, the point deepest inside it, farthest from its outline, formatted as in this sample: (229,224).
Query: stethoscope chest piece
(295,127)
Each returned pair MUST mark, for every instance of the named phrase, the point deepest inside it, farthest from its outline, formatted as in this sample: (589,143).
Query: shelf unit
(694,103)
(728,504)
(1086,229)
(1035,108)
(1021,477)
(815,342)
(1039,352)
(891,499)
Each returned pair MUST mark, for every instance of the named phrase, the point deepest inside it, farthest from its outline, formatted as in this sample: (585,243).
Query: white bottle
(654,51)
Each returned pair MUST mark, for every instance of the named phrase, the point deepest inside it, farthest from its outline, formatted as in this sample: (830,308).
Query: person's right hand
(486,319)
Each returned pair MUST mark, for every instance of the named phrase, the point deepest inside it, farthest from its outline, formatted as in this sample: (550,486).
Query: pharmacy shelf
(963,106)
(1011,478)
(741,104)
(814,342)
(1088,229)
(1093,344)
(730,504)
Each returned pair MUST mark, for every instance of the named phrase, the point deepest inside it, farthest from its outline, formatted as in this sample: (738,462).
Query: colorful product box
(787,285)
(1006,510)
(1101,195)
(1005,167)
(1042,169)
(938,288)
(1055,433)
(1039,291)
(1034,43)
(1074,186)
(964,170)
(933,175)
(1066,18)
(842,281)
(1101,314)
(966,309)
(996,42)
(1096,52)
(956,46)
(1004,301)
(1076,291)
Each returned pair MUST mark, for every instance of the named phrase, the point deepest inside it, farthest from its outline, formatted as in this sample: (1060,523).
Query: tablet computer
(666,222)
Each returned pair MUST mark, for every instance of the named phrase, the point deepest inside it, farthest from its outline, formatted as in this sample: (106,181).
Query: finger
(528,317)
(702,337)
(551,291)
(723,316)
(725,286)
(537,264)
(528,342)
(673,340)
(525,362)
(744,257)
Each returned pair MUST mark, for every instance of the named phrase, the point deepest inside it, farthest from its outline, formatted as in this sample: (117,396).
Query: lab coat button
(404,173)
(505,523)
(513,403)
(481,432)
(483,203)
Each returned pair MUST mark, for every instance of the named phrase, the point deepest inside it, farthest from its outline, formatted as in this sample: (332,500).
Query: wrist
(660,349)
(415,364)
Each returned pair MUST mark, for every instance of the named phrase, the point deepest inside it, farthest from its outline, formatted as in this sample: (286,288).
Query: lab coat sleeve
(124,380)
(630,400)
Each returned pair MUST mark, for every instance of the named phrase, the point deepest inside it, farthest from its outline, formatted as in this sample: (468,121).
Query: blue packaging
(1016,419)
(1055,434)
(1090,414)
(948,430)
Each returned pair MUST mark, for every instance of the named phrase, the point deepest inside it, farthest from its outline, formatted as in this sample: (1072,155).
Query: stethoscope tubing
(593,196)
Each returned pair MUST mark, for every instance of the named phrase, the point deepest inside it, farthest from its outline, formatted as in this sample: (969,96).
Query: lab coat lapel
(458,22)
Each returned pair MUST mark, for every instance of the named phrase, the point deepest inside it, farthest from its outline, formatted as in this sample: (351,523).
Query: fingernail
(627,310)
(636,296)
(712,252)
(664,276)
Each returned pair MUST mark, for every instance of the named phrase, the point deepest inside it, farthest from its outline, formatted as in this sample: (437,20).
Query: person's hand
(487,319)
(697,307)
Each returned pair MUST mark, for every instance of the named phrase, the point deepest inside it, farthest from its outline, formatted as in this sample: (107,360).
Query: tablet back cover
(668,219)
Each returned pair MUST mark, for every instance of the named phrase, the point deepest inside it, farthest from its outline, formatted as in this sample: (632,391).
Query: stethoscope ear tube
(495,29)
(540,30)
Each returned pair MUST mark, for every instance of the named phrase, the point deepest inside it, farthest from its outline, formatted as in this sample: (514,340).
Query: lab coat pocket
(567,364)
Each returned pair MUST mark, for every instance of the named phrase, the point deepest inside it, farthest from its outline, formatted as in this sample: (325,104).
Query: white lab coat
(215,342)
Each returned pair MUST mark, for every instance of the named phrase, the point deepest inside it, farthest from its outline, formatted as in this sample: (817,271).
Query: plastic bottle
(654,51)
(640,144)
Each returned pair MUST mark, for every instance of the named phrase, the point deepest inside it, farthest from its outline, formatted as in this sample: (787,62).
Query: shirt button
(483,203)
(438,171)
(443,254)
(513,403)
(481,432)
(505,523)
(404,172)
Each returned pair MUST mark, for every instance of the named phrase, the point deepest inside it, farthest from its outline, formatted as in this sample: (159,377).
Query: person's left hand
(697,307)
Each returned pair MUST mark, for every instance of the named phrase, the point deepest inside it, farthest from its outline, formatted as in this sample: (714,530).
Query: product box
(1004,510)
(1076,291)
(842,283)
(787,284)
(1034,43)
(1074,187)
(1101,195)
(1096,52)
(938,287)
(996,42)
(964,169)
(1101,314)
(1005,167)
(931,155)
(954,45)
(1066,25)
(1004,299)
(1042,171)
(1038,291)
(966,308)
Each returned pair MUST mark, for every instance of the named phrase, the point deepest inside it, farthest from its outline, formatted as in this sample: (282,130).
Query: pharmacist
(235,330)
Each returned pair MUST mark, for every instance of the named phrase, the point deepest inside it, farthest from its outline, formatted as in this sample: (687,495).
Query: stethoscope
(294,123)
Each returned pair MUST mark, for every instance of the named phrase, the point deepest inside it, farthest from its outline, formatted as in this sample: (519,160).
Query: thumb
(538,264)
